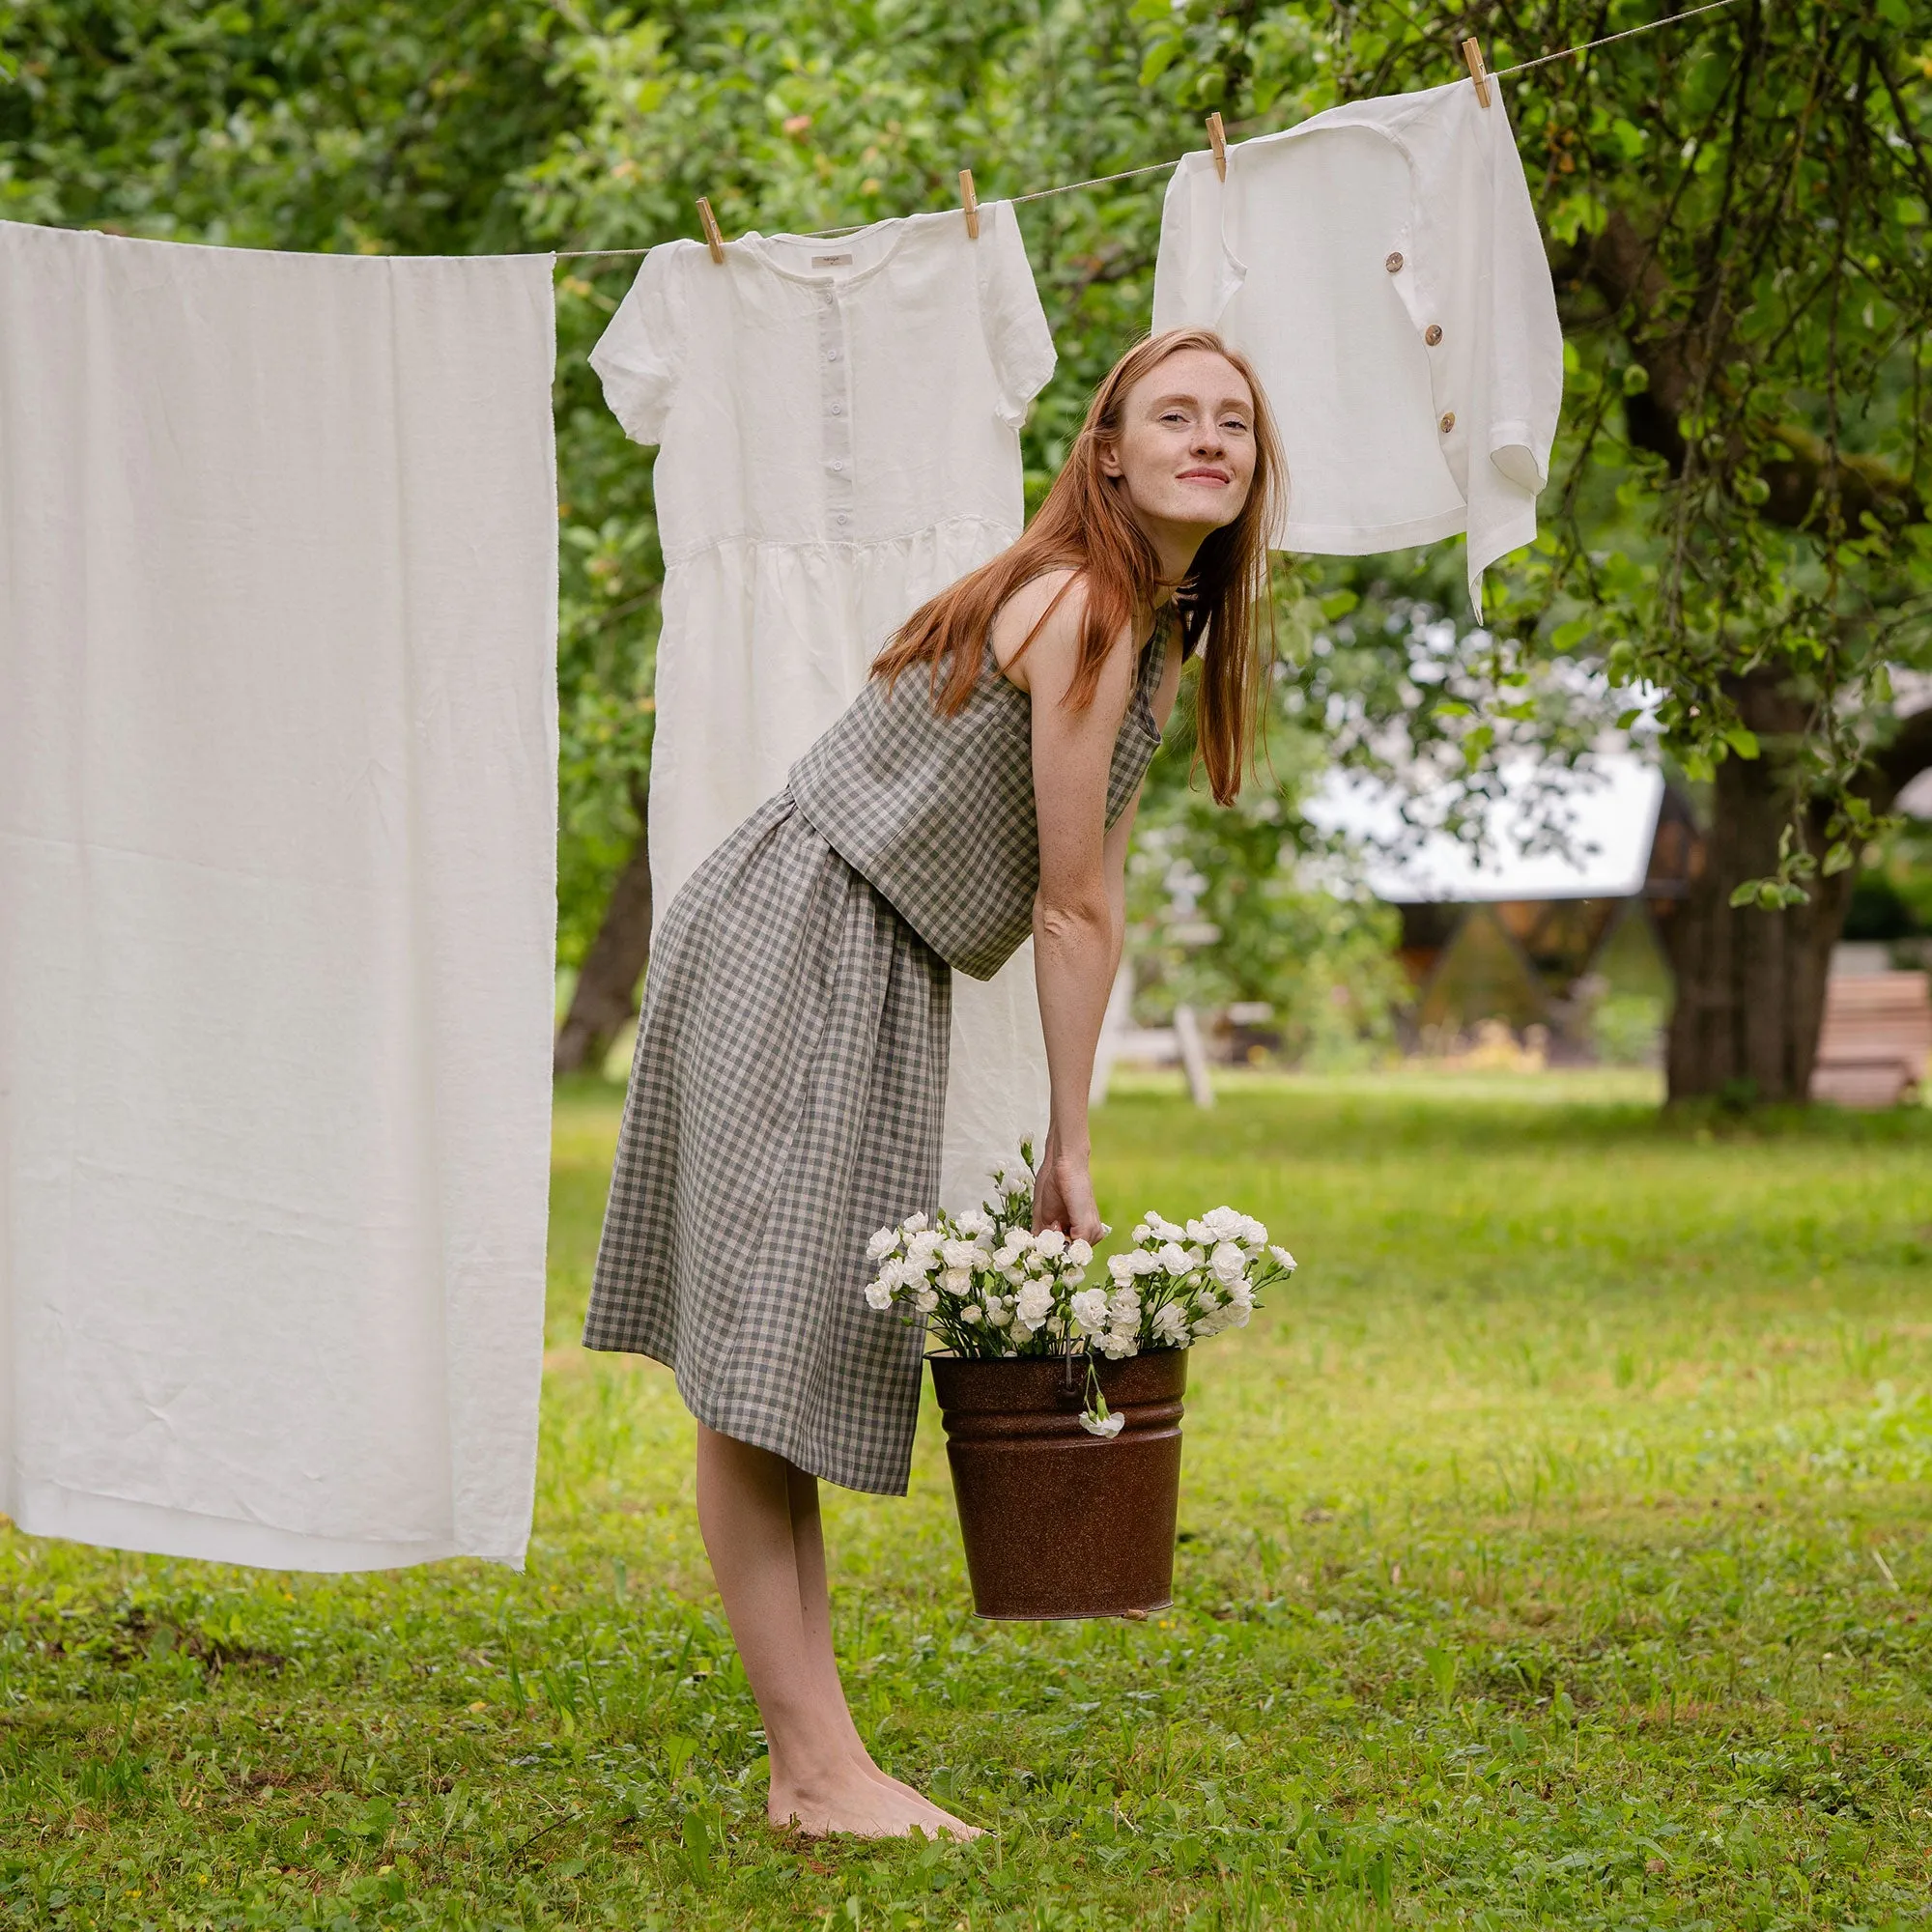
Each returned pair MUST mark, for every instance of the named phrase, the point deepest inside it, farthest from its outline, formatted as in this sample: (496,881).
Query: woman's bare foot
(945,1821)
(859,1801)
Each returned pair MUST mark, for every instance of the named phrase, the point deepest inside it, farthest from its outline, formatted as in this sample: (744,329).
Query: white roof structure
(1608,813)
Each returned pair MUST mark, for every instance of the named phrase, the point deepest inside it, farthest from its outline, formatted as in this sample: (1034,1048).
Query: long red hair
(1085,526)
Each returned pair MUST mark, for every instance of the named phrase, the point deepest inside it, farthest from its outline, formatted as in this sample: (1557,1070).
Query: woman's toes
(862,1806)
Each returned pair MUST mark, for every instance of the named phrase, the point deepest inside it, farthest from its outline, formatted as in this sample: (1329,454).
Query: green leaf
(1748,894)
(1743,741)
(1839,858)
(1159,58)
(696,1841)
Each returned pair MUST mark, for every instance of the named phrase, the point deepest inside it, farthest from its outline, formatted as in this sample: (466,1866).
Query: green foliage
(1554,1555)
(375,126)
(1221,912)
(1893,898)
(1627,1029)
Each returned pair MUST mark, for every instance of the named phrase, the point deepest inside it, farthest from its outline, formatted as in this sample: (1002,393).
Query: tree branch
(1624,270)
(1894,767)
(1797,484)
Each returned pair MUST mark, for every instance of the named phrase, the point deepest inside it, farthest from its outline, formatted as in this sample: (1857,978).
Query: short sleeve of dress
(640,356)
(1017,337)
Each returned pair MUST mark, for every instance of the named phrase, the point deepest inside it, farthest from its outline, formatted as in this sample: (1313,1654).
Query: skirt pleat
(786,1098)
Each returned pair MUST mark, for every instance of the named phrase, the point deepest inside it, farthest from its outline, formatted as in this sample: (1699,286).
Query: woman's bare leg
(822,1778)
(815,1602)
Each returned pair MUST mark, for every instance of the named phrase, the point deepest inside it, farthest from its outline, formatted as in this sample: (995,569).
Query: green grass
(1555,1553)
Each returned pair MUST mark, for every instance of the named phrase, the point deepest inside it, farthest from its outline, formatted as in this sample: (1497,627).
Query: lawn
(1554,1554)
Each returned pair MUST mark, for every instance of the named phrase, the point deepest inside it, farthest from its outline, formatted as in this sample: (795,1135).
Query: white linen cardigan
(1382,266)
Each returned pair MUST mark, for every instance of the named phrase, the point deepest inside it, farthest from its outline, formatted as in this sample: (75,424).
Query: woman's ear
(1110,459)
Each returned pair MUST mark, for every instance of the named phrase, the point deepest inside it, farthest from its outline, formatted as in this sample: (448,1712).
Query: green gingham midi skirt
(786,1098)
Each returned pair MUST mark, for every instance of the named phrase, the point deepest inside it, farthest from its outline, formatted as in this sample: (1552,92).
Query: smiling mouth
(1204,476)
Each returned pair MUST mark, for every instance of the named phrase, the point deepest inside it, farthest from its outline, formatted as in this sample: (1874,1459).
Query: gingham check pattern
(787,1091)
(938,813)
(785,1100)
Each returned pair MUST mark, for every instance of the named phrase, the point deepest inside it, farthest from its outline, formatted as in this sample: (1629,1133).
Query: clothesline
(1161,167)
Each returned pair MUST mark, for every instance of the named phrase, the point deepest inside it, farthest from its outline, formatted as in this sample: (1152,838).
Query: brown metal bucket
(1058,1522)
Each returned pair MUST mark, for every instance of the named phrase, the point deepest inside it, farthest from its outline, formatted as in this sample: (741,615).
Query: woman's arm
(1078,912)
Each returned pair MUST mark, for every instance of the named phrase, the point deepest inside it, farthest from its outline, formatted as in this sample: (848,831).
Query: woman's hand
(1062,1196)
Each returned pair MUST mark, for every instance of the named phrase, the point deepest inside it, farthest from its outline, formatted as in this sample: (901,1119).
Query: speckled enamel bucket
(1058,1522)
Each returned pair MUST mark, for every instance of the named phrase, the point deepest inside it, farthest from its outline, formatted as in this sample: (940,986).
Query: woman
(785,1099)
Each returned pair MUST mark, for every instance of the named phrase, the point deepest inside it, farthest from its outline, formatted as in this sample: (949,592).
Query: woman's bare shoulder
(1059,598)
(1018,615)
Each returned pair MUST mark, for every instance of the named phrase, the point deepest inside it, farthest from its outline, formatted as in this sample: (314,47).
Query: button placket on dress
(834,413)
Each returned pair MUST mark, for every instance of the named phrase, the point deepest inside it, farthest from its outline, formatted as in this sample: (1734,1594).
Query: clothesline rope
(1628,34)
(1161,167)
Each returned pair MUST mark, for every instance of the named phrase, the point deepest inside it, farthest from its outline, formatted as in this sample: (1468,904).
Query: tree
(1736,208)
(378,127)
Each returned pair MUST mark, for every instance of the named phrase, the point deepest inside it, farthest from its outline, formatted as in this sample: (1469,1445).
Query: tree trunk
(607,984)
(1751,983)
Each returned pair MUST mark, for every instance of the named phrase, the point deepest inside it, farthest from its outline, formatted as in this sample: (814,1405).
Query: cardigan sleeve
(1526,344)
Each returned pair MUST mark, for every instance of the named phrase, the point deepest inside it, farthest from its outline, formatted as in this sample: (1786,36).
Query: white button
(842,518)
(837,409)
(837,463)
(832,355)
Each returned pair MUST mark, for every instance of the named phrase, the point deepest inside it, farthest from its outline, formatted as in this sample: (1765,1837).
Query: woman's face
(1186,449)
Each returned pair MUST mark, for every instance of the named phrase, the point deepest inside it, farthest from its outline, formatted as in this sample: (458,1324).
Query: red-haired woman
(785,1099)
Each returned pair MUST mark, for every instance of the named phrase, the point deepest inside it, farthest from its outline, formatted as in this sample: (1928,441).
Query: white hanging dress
(837,431)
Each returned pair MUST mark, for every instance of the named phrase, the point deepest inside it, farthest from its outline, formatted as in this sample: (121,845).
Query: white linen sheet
(278,849)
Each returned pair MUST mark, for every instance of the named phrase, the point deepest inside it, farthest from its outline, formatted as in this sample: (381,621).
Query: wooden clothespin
(1478,72)
(1218,139)
(713,241)
(970,202)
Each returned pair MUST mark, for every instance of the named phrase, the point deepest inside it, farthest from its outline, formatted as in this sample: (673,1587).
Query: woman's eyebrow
(1237,404)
